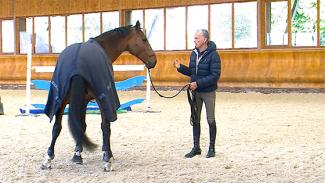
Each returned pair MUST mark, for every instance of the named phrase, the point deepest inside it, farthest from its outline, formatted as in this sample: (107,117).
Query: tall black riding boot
(196,150)
(213,133)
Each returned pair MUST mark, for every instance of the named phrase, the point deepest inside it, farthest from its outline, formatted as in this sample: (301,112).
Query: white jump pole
(28,78)
(148,91)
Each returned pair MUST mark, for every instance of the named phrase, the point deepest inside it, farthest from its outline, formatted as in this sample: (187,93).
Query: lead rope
(190,97)
(163,96)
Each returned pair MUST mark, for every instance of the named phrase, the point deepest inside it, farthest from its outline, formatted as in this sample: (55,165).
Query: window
(8,36)
(42,34)
(276,23)
(232,24)
(133,16)
(111,20)
(221,26)
(154,25)
(322,22)
(304,15)
(92,25)
(197,19)
(58,36)
(245,25)
(25,33)
(175,29)
(74,29)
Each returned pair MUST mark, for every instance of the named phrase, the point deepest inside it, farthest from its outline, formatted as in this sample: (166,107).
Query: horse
(84,72)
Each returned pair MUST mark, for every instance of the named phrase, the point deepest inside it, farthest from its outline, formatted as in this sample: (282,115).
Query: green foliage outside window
(322,32)
(302,21)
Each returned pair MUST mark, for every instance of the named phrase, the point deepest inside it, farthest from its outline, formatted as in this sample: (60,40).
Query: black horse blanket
(90,61)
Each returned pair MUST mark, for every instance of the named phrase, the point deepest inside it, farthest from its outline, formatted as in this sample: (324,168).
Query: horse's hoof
(77,159)
(108,167)
(44,167)
(108,164)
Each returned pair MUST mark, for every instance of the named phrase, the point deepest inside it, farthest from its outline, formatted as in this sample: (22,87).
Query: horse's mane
(120,32)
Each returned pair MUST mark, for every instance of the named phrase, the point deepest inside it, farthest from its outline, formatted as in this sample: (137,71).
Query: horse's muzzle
(151,63)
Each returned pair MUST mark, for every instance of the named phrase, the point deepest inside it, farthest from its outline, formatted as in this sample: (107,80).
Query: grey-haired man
(204,70)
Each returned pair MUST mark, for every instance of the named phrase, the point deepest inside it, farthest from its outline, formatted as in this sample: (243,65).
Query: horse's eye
(144,39)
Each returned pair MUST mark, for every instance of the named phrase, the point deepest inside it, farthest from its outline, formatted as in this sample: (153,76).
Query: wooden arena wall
(265,68)
(283,68)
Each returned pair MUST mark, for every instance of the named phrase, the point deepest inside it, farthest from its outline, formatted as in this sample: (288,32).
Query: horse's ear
(137,25)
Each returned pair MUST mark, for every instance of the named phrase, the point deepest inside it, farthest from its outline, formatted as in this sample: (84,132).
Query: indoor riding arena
(269,104)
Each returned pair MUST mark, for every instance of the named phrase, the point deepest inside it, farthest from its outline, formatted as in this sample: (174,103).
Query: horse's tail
(77,110)
(78,133)
(89,145)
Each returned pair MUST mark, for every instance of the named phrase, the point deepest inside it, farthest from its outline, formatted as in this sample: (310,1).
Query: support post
(28,78)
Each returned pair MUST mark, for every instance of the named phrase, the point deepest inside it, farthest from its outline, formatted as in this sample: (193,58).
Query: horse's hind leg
(78,149)
(77,113)
(55,134)
(107,155)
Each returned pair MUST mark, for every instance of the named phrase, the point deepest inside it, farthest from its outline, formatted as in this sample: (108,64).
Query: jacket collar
(211,47)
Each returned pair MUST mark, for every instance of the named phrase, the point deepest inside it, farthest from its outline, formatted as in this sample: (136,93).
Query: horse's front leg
(107,153)
(55,134)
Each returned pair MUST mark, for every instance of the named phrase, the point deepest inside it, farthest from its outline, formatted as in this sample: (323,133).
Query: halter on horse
(84,72)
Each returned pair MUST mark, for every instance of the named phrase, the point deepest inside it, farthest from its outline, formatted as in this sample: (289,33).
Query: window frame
(102,19)
(50,31)
(164,26)
(48,36)
(289,24)
(261,25)
(1,38)
(185,28)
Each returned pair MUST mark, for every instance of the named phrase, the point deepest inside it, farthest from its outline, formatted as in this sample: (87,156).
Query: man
(204,70)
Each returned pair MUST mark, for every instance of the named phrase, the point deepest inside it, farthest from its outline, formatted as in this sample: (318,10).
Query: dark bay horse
(84,72)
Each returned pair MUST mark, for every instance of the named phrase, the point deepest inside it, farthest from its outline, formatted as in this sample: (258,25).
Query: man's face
(199,40)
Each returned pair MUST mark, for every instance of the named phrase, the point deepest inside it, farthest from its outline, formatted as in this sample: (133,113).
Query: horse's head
(139,46)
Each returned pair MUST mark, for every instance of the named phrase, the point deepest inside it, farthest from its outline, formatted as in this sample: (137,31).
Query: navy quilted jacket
(208,70)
